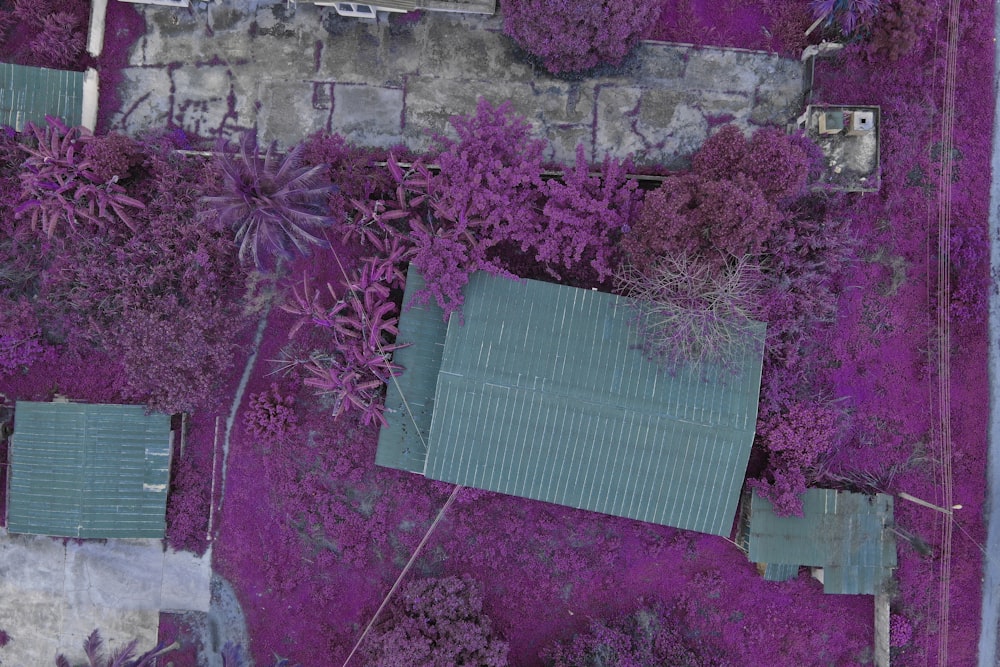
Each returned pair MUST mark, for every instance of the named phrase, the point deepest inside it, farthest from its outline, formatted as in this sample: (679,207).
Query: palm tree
(93,647)
(273,203)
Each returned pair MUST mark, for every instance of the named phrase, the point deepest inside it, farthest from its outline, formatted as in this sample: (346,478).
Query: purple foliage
(45,33)
(60,185)
(438,623)
(444,248)
(490,178)
(188,507)
(647,638)
(61,41)
(848,16)
(351,168)
(796,440)
(270,417)
(356,362)
(273,203)
(900,26)
(571,36)
(4,638)
(900,630)
(584,216)
(21,342)
(164,299)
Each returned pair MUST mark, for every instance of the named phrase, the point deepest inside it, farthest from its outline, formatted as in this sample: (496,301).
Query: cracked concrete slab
(427,71)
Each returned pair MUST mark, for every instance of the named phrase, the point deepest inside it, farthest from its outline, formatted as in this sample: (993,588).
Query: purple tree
(649,637)
(795,440)
(584,215)
(273,203)
(438,623)
(569,36)
(61,187)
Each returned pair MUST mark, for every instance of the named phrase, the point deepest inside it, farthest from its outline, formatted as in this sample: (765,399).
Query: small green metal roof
(847,534)
(89,471)
(544,393)
(31,93)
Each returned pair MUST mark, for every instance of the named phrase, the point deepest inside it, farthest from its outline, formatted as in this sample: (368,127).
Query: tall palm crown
(273,203)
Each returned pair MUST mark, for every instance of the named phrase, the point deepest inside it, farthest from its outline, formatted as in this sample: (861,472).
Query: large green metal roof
(847,534)
(31,93)
(543,393)
(89,471)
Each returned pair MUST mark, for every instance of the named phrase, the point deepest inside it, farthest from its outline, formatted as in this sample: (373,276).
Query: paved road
(991,579)
(220,68)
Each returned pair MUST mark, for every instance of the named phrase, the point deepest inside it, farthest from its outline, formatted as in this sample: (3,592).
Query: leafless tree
(690,310)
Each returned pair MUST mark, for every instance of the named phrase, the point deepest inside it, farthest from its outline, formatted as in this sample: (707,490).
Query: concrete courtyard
(224,67)
(54,593)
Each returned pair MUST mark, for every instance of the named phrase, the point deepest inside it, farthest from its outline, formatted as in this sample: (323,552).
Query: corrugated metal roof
(90,471)
(844,533)
(402,444)
(543,393)
(31,93)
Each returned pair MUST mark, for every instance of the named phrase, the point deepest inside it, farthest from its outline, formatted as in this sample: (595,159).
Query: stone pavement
(220,68)
(53,594)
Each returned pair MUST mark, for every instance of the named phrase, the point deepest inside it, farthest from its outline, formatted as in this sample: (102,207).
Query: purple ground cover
(310,532)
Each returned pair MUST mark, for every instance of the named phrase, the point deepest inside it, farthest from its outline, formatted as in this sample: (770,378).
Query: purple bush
(164,299)
(649,637)
(437,623)
(795,440)
(61,41)
(584,216)
(571,36)
(188,507)
(273,203)
(355,361)
(352,168)
(848,16)
(60,186)
(21,342)
(490,178)
(900,630)
(270,417)
(419,227)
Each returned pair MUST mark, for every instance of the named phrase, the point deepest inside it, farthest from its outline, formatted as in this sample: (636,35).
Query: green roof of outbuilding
(31,93)
(543,393)
(90,471)
(847,534)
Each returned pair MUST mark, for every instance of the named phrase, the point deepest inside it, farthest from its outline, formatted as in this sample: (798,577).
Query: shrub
(781,164)
(273,203)
(270,416)
(490,178)
(355,361)
(900,630)
(21,342)
(61,41)
(848,16)
(571,36)
(59,184)
(351,168)
(584,215)
(188,506)
(665,225)
(795,440)
(164,299)
(649,637)
(688,311)
(437,623)
(900,26)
